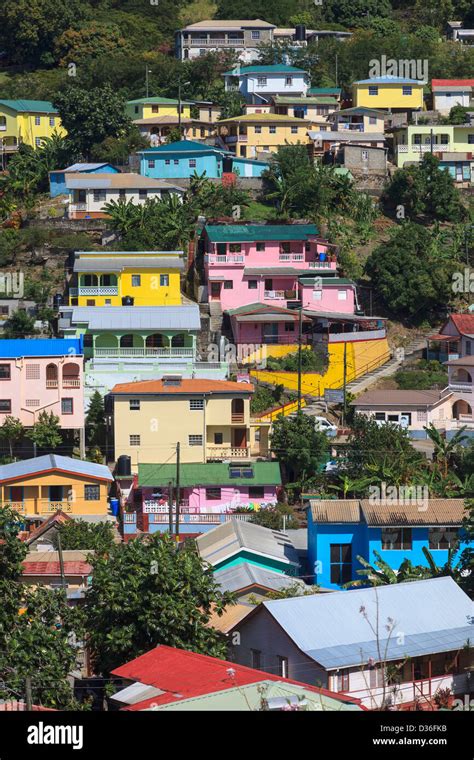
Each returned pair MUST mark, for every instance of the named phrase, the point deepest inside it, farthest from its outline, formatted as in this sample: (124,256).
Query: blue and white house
(340,530)
(182,159)
(57,178)
(259,84)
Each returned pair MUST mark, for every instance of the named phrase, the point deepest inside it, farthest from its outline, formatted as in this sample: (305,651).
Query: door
(16,494)
(216,290)
(270,332)
(240,438)
(55,497)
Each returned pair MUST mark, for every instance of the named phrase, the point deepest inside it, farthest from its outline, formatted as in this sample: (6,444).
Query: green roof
(277,68)
(288,100)
(158,101)
(324,90)
(211,474)
(27,106)
(242,233)
(327,280)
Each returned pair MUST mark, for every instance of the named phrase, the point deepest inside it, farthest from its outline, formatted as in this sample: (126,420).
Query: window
(365,155)
(176,161)
(37,121)
(38,142)
(372,120)
(342,295)
(88,340)
(167,162)
(376,677)
(51,121)
(228,285)
(470,139)
(396,538)
(235,248)
(164,280)
(5,406)
(286,247)
(99,195)
(272,129)
(283,667)
(136,280)
(5,371)
(136,109)
(134,440)
(91,493)
(294,130)
(258,130)
(289,327)
(142,195)
(151,164)
(67,406)
(195,440)
(196,404)
(342,680)
(219,438)
(240,471)
(255,34)
(373,90)
(442,538)
(255,659)
(155,109)
(341,563)
(213,494)
(468,348)
(407,89)
(252,284)
(261,81)
(32,371)
(260,246)
(288,81)
(256,492)
(122,194)
(192,163)
(134,404)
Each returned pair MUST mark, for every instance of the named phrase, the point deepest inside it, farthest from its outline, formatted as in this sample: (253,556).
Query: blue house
(181,159)
(57,178)
(340,530)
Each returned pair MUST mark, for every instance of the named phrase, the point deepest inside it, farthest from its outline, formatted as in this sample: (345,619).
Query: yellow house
(41,486)
(254,133)
(210,419)
(147,108)
(27,121)
(394,93)
(124,278)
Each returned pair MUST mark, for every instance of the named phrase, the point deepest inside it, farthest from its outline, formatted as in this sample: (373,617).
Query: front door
(55,495)
(270,332)
(216,290)
(240,438)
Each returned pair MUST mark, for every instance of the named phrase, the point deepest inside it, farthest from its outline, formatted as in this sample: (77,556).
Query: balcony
(227,452)
(277,295)
(101,290)
(143,353)
(71,382)
(461,387)
(151,506)
(233,258)
(437,148)
(39,506)
(213,42)
(291,257)
(73,207)
(237,417)
(52,383)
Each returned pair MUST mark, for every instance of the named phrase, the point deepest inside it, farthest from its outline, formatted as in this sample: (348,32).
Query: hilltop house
(452,144)
(241,37)
(340,530)
(411,409)
(89,193)
(27,121)
(258,84)
(209,418)
(448,93)
(422,629)
(389,93)
(454,340)
(183,159)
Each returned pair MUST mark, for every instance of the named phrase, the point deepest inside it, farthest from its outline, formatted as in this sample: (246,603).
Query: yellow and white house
(388,93)
(452,144)
(255,133)
(27,121)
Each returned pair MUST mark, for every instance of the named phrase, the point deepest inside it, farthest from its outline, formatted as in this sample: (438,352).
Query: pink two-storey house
(43,375)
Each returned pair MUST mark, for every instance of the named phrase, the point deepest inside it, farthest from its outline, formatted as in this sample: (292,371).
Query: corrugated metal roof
(244,575)
(433,512)
(231,616)
(275,68)
(98,264)
(397,398)
(29,106)
(334,629)
(209,474)
(86,167)
(136,692)
(230,538)
(54,462)
(78,181)
(335,511)
(17,348)
(186,386)
(389,80)
(184,317)
(242,233)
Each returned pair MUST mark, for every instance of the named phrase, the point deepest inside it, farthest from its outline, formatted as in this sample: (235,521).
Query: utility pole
(344,384)
(170,506)
(300,354)
(29,698)
(177,492)
(147,71)
(336,68)
(61,560)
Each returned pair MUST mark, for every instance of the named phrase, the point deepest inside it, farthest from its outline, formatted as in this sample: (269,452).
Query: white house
(258,84)
(88,193)
(241,37)
(451,92)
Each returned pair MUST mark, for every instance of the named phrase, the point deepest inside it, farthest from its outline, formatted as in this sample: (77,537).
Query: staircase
(215,311)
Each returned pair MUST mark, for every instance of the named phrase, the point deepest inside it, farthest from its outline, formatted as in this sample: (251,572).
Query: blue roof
(389,80)
(334,629)
(16,348)
(28,467)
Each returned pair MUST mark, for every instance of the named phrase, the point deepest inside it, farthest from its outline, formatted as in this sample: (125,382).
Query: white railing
(461,387)
(78,207)
(227,451)
(101,290)
(321,264)
(437,148)
(205,42)
(71,382)
(224,259)
(243,138)
(291,257)
(154,507)
(52,383)
(275,294)
(353,336)
(166,352)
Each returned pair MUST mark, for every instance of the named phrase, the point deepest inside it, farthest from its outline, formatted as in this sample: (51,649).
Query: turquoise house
(182,159)
(57,178)
(340,530)
(237,542)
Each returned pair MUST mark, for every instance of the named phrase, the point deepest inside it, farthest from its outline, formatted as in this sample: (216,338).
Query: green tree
(92,40)
(91,115)
(458,115)
(95,421)
(46,432)
(11,431)
(146,593)
(272,517)
(381,574)
(79,534)
(19,325)
(444,449)
(299,448)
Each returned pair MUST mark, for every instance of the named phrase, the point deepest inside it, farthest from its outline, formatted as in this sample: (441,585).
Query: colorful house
(359,119)
(57,178)
(254,134)
(448,93)
(241,37)
(453,145)
(258,84)
(346,640)
(315,108)
(389,93)
(127,278)
(341,530)
(183,159)
(27,121)
(43,375)
(454,340)
(147,108)
(89,193)
(210,419)
(237,542)
(38,487)
(249,582)
(157,117)
(413,410)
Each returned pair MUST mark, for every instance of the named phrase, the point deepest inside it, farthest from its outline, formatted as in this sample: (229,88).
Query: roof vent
(172,379)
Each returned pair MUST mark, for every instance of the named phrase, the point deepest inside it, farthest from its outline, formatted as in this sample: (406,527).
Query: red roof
(464,323)
(15,706)
(182,675)
(452,82)
(58,517)
(71,567)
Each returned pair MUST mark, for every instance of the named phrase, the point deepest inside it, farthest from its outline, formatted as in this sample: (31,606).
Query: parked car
(322,424)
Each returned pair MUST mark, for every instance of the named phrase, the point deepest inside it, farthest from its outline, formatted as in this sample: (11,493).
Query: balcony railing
(39,506)
(101,290)
(227,452)
(437,148)
(461,387)
(221,41)
(237,417)
(52,383)
(71,382)
(232,258)
(151,506)
(78,207)
(274,294)
(166,352)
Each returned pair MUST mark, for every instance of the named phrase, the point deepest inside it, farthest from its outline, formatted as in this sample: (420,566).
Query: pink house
(328,294)
(262,263)
(42,375)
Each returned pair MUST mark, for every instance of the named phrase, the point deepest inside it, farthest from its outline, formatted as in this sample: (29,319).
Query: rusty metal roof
(418,512)
(335,510)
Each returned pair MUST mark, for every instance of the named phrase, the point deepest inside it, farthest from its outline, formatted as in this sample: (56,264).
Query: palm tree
(124,215)
(381,574)
(444,449)
(351,485)
(450,568)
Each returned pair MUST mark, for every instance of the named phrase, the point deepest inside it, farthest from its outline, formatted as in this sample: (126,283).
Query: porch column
(82,443)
